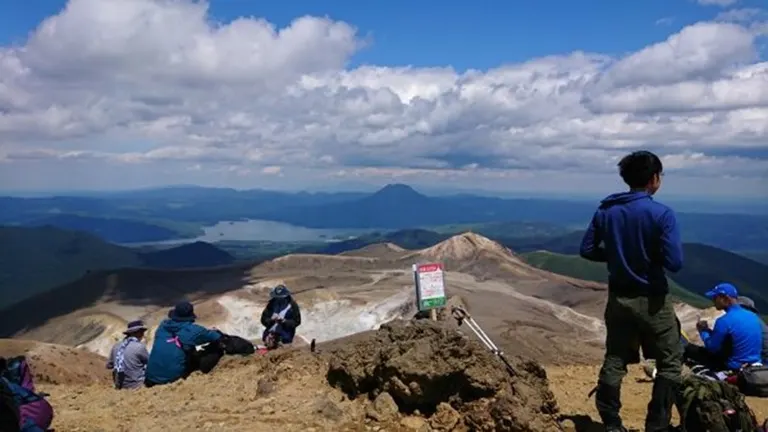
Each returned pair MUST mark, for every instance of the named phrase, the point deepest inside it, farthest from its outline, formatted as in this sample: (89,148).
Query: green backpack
(706,405)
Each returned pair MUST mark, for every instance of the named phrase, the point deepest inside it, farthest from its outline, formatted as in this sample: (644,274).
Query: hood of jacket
(623,198)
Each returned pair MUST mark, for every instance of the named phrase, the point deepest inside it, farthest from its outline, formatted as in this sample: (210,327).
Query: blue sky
(156,92)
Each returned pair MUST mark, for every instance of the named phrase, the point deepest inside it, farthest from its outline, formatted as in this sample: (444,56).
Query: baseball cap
(725,289)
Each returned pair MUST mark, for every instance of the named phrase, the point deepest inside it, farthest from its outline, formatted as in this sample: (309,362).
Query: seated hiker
(128,358)
(174,351)
(735,341)
(280,318)
(749,305)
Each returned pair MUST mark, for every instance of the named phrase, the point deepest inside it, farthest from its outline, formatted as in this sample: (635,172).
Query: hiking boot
(608,404)
(660,407)
(616,429)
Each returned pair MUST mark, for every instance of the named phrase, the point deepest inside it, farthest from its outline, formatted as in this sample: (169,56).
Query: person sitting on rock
(128,358)
(735,341)
(280,318)
(174,351)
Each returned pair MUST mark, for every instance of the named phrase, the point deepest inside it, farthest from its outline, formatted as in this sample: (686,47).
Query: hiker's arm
(142,354)
(671,245)
(204,336)
(590,243)
(266,317)
(713,339)
(295,321)
(111,359)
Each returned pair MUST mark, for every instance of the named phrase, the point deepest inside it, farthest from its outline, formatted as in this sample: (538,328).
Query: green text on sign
(432,303)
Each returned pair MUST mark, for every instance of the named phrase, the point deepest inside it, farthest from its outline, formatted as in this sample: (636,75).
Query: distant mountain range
(160,214)
(33,260)
(36,259)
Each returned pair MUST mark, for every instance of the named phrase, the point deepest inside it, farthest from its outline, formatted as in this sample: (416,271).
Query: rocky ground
(408,376)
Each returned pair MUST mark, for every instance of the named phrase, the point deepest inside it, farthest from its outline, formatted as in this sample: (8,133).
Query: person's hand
(275,317)
(702,325)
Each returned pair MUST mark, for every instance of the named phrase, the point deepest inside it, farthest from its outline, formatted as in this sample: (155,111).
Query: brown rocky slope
(407,376)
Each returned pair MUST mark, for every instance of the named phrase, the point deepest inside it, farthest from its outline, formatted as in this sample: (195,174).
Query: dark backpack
(16,370)
(707,405)
(753,381)
(9,409)
(234,345)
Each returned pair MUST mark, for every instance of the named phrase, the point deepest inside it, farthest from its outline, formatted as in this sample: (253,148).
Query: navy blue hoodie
(641,239)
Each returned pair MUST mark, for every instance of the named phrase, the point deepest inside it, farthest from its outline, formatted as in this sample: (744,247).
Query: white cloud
(740,15)
(245,99)
(722,3)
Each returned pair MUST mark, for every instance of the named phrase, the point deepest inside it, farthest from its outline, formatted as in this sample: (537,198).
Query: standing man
(128,358)
(640,239)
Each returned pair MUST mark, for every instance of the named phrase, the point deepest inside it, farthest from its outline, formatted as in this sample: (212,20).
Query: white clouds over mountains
(246,97)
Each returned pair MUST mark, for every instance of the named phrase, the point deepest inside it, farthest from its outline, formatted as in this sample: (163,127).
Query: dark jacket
(641,239)
(292,318)
(167,361)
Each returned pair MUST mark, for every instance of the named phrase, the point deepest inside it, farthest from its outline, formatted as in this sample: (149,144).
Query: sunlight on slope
(322,321)
(338,318)
(102,345)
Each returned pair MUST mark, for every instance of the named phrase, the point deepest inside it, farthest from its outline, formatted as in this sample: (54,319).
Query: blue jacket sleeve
(590,243)
(671,244)
(204,336)
(713,339)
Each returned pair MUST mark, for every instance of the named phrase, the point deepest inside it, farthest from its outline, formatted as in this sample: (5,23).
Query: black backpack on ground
(753,381)
(234,345)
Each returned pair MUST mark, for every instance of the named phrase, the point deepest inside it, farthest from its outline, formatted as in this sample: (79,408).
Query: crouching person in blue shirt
(280,318)
(174,351)
(735,341)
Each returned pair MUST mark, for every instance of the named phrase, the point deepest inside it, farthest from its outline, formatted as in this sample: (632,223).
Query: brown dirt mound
(422,369)
(58,364)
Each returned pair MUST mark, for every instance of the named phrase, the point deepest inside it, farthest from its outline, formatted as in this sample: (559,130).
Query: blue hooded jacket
(641,238)
(167,361)
(745,331)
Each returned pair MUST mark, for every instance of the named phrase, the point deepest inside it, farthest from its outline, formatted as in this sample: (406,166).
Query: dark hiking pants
(632,321)
(703,362)
(204,360)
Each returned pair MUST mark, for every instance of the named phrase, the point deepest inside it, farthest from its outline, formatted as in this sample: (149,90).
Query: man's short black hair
(638,168)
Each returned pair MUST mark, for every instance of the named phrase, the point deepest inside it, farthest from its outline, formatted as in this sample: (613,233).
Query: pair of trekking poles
(462,316)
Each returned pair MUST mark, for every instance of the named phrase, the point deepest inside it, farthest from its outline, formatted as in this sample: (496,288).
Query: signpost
(430,287)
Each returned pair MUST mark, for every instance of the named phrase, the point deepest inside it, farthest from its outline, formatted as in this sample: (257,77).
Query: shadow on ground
(582,423)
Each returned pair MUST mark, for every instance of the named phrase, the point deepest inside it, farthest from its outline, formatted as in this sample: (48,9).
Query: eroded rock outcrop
(426,370)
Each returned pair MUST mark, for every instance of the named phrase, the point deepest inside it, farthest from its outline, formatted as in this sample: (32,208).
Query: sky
(532,97)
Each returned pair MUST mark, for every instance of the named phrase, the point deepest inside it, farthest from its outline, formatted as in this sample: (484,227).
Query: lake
(261,230)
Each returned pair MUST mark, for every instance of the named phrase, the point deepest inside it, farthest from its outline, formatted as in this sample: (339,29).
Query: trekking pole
(462,316)
(472,324)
